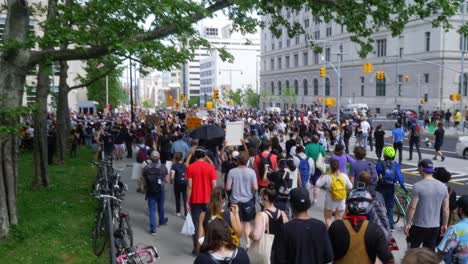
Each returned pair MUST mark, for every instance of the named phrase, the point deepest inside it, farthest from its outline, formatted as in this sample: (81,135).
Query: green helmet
(389,152)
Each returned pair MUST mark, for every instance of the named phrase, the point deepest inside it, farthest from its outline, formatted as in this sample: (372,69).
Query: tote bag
(260,251)
(320,163)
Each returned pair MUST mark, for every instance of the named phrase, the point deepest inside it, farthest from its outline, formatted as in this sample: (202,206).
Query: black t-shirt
(302,241)
(379,137)
(439,135)
(108,140)
(240,257)
(179,169)
(374,238)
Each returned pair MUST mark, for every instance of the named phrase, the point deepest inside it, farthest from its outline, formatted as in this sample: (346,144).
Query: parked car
(462,147)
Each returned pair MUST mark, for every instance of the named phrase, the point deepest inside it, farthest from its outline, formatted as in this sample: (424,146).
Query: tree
(194,100)
(289,95)
(252,98)
(150,31)
(97,90)
(235,96)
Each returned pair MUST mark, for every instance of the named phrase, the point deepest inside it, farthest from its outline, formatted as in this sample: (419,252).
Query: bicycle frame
(139,256)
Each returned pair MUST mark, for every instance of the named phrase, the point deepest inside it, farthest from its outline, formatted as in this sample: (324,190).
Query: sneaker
(443,158)
(165,221)
(178,214)
(434,158)
(153,233)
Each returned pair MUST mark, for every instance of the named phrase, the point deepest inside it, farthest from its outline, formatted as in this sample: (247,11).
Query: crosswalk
(460,178)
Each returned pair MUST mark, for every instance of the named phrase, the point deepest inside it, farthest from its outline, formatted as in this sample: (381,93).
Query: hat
(299,198)
(155,154)
(235,154)
(426,165)
(462,203)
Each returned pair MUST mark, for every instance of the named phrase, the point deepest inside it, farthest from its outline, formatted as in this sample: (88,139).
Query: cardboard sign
(151,119)
(193,122)
(234,133)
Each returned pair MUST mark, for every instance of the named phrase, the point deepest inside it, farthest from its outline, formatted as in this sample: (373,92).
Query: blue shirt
(396,165)
(398,134)
(455,243)
(180,146)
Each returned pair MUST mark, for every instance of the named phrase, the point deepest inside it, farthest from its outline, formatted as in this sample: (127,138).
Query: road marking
(413,171)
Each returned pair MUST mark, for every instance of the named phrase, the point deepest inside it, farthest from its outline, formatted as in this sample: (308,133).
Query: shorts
(120,147)
(426,236)
(333,205)
(457,123)
(247,210)
(437,146)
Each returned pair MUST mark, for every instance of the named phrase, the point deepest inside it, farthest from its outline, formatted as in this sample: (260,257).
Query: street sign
(193,122)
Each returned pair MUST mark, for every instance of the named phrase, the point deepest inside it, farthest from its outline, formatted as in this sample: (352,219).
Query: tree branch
(98,51)
(92,81)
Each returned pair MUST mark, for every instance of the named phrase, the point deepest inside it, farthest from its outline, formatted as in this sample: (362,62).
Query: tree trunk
(40,150)
(63,115)
(13,69)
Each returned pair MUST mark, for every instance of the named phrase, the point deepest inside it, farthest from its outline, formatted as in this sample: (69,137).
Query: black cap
(426,165)
(299,199)
(462,203)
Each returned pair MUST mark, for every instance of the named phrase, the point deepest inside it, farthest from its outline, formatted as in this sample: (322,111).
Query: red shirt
(202,174)
(273,159)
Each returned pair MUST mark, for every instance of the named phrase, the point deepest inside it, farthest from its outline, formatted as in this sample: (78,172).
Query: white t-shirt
(325,182)
(365,127)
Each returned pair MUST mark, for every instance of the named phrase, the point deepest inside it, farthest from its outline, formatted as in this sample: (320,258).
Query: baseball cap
(426,165)
(235,154)
(299,199)
(155,154)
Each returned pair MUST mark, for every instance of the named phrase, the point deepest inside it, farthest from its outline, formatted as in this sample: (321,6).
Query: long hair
(216,201)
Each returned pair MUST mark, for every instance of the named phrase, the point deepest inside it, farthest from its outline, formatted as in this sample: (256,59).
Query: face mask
(224,204)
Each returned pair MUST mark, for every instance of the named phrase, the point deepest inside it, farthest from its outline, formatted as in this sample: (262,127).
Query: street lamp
(338,89)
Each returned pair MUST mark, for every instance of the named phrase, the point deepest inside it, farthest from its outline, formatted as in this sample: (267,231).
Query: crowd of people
(258,210)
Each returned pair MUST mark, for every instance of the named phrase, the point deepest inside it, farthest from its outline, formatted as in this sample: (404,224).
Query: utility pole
(132,114)
(462,77)
(107,90)
(323,98)
(338,95)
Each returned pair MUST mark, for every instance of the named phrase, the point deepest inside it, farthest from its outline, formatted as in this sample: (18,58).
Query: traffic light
(181,96)
(216,94)
(406,77)
(455,97)
(422,101)
(320,100)
(330,101)
(323,72)
(380,75)
(367,68)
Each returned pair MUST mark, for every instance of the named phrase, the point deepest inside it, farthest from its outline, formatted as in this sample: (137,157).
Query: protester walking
(178,178)
(438,137)
(379,136)
(397,139)
(414,138)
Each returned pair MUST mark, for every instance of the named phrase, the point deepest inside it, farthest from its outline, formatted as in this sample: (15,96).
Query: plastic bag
(188,228)
(137,170)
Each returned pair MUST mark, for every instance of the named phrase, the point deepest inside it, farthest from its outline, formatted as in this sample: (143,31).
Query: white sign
(234,133)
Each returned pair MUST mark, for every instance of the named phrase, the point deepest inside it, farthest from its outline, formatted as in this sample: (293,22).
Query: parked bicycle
(145,255)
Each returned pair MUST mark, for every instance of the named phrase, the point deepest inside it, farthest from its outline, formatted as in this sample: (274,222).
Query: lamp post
(462,66)
(338,89)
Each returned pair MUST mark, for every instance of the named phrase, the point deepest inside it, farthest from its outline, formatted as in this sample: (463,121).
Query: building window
(288,43)
(211,31)
(264,65)
(306,88)
(316,87)
(342,28)
(341,86)
(327,54)
(279,88)
(287,85)
(465,84)
(317,34)
(464,44)
(280,44)
(327,86)
(316,58)
(273,46)
(426,77)
(428,41)
(317,20)
(296,60)
(287,61)
(272,88)
(297,40)
(305,58)
(380,88)
(381,48)
(401,52)
(296,87)
(329,31)
(272,64)
(341,52)
(306,23)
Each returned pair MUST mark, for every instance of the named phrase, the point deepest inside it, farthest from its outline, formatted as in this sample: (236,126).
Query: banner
(234,133)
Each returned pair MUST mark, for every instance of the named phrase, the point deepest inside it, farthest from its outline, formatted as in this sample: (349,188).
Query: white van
(273,109)
(357,108)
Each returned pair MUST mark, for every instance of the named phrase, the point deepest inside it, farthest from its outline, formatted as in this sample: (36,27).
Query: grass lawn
(55,223)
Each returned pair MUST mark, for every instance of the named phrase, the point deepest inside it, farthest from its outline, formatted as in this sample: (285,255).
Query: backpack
(142,155)
(154,178)
(285,184)
(388,173)
(304,170)
(338,187)
(416,131)
(373,172)
(265,166)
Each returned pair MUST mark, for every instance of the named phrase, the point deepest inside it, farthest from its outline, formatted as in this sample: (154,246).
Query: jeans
(414,142)
(398,146)
(388,192)
(363,140)
(180,190)
(88,140)
(195,210)
(154,200)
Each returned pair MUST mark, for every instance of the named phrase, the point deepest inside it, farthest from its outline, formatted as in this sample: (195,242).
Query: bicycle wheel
(396,212)
(127,230)
(100,233)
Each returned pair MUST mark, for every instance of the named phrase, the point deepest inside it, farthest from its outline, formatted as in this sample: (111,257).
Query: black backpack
(154,178)
(265,164)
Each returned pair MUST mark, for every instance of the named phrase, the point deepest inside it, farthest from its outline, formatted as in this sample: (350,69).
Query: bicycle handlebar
(104,196)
